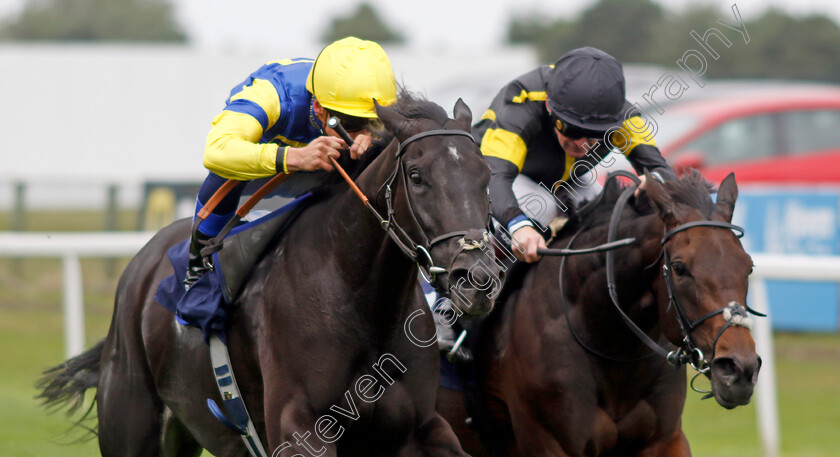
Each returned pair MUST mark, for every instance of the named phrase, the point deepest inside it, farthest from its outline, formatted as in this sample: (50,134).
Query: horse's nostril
(724,368)
(751,369)
(502,276)
(471,276)
(460,278)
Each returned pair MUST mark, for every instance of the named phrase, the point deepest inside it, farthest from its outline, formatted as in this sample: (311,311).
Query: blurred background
(106,104)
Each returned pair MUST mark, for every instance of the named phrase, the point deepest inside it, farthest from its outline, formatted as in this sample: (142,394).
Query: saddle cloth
(209,301)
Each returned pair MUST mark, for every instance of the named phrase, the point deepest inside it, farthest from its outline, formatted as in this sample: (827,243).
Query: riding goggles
(353,124)
(574,133)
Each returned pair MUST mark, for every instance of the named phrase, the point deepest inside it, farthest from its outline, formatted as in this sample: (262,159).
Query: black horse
(318,338)
(562,372)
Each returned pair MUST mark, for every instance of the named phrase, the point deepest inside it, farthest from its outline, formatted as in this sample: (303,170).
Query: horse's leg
(450,405)
(129,409)
(434,439)
(180,360)
(177,440)
(534,440)
(675,446)
(293,433)
(533,435)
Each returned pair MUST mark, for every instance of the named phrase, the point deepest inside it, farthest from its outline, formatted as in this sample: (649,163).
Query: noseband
(420,253)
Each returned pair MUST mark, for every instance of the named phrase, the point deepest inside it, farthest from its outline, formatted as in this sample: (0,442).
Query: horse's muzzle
(733,379)
(475,280)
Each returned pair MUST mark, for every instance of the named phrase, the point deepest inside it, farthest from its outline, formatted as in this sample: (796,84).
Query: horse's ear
(661,200)
(463,114)
(726,196)
(394,122)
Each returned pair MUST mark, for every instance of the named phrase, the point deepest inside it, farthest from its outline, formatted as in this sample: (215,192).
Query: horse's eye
(679,269)
(415,177)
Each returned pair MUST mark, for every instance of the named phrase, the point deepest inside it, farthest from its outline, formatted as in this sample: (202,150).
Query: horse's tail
(64,386)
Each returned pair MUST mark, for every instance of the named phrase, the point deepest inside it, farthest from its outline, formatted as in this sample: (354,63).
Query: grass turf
(807,370)
(808,383)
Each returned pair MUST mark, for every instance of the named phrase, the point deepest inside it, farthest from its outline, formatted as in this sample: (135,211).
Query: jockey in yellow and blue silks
(274,122)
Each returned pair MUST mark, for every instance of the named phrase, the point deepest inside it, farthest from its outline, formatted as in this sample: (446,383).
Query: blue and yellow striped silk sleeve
(632,133)
(232,149)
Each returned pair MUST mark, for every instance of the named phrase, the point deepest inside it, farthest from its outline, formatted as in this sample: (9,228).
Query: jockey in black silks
(542,135)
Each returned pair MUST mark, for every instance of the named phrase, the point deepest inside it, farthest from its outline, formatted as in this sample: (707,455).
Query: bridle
(735,314)
(418,252)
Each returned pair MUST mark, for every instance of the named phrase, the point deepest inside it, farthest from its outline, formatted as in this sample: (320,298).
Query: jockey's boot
(198,265)
(448,332)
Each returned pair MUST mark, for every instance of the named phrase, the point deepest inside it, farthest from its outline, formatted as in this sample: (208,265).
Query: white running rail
(70,247)
(787,267)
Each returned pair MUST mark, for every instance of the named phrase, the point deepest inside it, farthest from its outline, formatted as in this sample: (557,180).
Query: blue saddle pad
(209,301)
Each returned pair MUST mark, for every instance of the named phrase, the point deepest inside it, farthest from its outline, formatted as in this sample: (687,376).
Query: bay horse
(317,337)
(562,373)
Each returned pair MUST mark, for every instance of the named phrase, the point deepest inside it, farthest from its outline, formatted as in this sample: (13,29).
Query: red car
(765,133)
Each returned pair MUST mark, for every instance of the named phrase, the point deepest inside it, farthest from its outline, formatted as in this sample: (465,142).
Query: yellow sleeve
(632,133)
(505,145)
(232,150)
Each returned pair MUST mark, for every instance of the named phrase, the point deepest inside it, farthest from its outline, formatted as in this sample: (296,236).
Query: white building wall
(74,114)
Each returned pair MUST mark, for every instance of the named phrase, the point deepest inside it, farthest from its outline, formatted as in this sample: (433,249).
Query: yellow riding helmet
(348,74)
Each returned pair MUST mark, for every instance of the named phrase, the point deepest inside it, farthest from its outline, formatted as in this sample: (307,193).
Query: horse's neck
(639,274)
(369,262)
(633,278)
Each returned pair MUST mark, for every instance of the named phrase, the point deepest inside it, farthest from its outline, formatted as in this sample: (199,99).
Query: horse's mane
(692,190)
(409,105)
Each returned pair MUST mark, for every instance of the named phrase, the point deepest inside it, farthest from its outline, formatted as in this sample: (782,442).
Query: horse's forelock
(694,191)
(417,107)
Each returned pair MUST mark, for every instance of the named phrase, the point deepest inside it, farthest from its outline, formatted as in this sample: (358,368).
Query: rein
(565,307)
(600,248)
